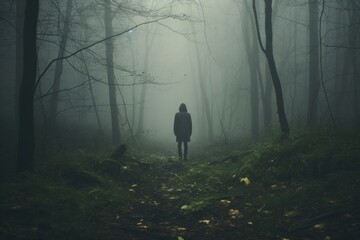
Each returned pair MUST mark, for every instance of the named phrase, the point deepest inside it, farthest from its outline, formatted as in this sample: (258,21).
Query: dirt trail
(179,200)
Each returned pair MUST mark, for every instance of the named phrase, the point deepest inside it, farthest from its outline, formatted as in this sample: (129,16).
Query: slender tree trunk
(251,51)
(25,160)
(133,110)
(339,64)
(268,50)
(20,11)
(148,45)
(295,76)
(268,99)
(353,39)
(314,80)
(203,93)
(109,52)
(91,92)
(54,100)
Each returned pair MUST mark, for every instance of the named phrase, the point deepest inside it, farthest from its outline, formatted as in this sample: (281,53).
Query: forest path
(198,200)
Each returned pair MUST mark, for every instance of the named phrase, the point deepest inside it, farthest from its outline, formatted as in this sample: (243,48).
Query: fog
(205,54)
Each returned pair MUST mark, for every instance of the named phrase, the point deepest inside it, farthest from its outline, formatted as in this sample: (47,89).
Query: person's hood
(182,108)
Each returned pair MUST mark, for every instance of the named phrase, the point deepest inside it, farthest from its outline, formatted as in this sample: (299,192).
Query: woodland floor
(307,187)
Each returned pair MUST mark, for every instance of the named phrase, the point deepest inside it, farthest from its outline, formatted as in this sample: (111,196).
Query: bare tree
(314,80)
(26,144)
(54,100)
(109,52)
(149,41)
(268,50)
(251,49)
(20,10)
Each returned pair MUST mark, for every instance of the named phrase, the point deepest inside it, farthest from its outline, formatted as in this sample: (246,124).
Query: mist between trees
(84,71)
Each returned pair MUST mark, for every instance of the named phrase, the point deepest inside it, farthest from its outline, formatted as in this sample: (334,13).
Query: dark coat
(182,125)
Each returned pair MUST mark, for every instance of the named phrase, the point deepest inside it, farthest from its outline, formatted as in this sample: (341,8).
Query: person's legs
(185,150)
(179,150)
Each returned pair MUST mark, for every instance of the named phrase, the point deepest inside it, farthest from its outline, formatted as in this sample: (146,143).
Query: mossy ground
(305,187)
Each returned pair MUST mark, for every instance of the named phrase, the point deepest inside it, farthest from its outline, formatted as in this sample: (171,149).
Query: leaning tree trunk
(54,100)
(109,52)
(268,50)
(314,80)
(25,159)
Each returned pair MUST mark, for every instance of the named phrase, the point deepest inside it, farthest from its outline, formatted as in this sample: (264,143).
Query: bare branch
(257,27)
(93,44)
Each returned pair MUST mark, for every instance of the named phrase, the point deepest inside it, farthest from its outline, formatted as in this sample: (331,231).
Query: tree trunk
(251,51)
(25,160)
(268,100)
(20,11)
(273,70)
(54,100)
(91,92)
(354,43)
(268,50)
(314,80)
(203,93)
(109,52)
(148,45)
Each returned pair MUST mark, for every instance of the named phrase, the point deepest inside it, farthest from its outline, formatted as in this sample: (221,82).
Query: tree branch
(91,45)
(257,27)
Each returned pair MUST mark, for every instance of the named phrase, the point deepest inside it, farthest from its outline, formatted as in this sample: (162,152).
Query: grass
(83,195)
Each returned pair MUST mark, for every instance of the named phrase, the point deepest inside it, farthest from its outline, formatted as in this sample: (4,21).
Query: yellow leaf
(184,207)
(181,229)
(206,221)
(250,223)
(225,202)
(234,213)
(180,238)
(319,226)
(245,180)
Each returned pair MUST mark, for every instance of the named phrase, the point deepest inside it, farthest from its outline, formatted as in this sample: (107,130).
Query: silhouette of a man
(182,129)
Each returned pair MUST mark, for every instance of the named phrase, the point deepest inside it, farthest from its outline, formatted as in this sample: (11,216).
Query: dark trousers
(185,150)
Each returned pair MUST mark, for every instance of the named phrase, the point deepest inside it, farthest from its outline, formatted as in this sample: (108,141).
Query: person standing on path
(182,129)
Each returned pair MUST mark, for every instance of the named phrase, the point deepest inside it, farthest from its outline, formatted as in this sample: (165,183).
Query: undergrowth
(87,195)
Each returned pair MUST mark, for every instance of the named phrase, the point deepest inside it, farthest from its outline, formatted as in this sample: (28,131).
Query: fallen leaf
(225,202)
(181,229)
(319,226)
(184,207)
(180,238)
(234,213)
(206,221)
(250,223)
(142,227)
(292,213)
(245,180)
